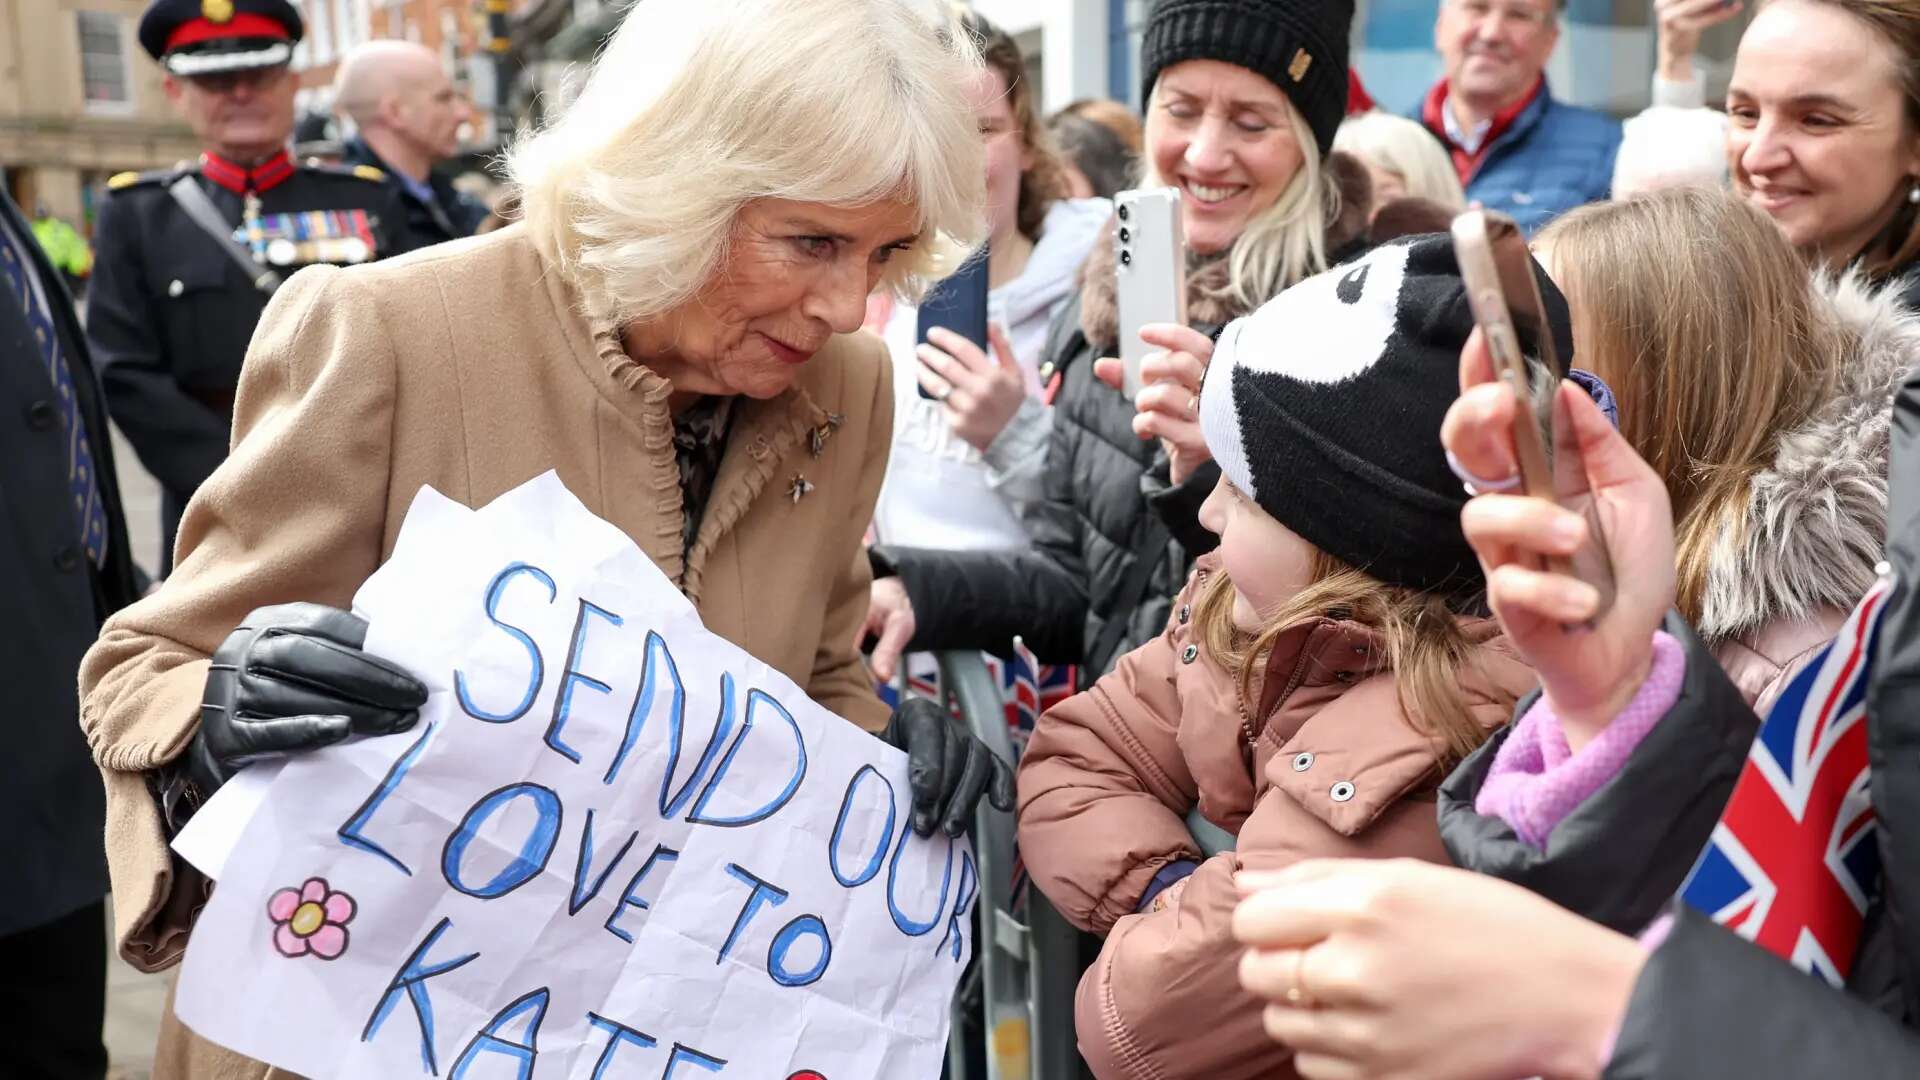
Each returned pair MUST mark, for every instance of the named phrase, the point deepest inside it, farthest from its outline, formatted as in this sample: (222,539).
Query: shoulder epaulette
(125,180)
(354,172)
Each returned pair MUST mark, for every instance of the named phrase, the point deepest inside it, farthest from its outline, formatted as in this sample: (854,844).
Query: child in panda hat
(1321,673)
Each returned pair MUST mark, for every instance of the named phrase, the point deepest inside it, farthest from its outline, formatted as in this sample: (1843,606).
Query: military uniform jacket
(170,312)
(49,792)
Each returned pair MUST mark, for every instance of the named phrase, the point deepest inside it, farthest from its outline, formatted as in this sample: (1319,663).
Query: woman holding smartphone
(1823,130)
(1241,113)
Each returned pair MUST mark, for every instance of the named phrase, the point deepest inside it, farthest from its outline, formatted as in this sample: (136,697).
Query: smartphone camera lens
(1125,236)
(1122,211)
(1126,258)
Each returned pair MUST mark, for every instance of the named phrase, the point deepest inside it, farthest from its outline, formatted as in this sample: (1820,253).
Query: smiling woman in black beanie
(1243,97)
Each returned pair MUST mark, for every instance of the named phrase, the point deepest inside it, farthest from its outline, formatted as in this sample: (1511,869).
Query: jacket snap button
(1185,610)
(176,287)
(67,559)
(1343,677)
(41,415)
(1302,762)
(1342,791)
(1190,654)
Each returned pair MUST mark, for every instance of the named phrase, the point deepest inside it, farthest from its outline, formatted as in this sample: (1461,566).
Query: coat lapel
(763,434)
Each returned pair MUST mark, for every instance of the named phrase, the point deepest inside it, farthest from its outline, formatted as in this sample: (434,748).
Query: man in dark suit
(408,115)
(64,567)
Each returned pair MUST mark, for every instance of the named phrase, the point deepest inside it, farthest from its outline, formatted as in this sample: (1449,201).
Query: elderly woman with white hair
(672,328)
(1403,160)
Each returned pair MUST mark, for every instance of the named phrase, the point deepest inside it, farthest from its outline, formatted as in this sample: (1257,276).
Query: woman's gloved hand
(291,678)
(948,770)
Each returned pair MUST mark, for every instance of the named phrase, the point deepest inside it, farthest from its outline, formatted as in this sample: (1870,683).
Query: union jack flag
(1028,687)
(1793,861)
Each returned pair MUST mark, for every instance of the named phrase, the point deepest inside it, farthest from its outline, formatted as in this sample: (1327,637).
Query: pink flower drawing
(310,919)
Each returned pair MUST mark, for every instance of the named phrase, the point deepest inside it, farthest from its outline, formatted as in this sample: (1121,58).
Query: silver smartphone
(1498,272)
(1150,261)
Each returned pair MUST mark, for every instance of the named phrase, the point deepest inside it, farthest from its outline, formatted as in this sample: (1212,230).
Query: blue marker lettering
(688,1055)
(580,868)
(539,673)
(722,727)
(659,658)
(351,834)
(755,699)
(969,884)
(784,940)
(661,853)
(618,1034)
(840,825)
(534,851)
(761,894)
(571,677)
(489,1041)
(412,978)
(908,926)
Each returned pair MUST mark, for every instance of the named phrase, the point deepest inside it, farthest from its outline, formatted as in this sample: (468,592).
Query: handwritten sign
(615,846)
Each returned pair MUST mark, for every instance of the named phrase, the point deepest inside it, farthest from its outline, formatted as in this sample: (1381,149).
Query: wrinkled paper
(615,845)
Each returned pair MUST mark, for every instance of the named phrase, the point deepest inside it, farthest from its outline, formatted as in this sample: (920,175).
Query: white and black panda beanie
(1324,407)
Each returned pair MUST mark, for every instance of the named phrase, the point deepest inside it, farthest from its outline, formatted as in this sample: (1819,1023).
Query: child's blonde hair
(1701,318)
(1427,650)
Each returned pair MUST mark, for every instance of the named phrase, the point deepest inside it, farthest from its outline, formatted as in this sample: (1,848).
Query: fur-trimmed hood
(1816,519)
(1208,302)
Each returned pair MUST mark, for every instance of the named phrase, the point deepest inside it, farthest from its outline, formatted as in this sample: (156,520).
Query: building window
(103,62)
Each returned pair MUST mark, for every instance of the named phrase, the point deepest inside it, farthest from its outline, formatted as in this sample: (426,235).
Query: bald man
(408,115)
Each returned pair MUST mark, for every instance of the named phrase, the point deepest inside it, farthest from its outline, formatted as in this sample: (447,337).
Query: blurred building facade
(79,101)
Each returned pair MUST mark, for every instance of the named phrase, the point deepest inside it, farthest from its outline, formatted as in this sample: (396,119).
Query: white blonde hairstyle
(698,107)
(1403,147)
(1666,147)
(1286,242)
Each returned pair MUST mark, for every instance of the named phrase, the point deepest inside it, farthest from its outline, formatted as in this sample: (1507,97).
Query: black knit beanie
(1298,45)
(1324,407)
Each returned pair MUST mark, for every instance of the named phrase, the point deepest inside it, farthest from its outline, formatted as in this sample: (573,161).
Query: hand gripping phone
(1506,303)
(1150,262)
(959,304)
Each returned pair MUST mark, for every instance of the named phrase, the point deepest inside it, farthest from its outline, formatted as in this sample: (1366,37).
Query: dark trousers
(53,998)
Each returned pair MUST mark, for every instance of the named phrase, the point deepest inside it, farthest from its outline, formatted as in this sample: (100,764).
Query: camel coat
(469,367)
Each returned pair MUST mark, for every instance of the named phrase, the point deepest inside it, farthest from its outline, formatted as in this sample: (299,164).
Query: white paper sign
(616,847)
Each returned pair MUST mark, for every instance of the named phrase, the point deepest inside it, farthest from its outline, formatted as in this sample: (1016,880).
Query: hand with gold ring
(1397,968)
(1168,404)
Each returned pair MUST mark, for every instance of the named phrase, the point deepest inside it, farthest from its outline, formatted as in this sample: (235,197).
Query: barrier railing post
(1001,946)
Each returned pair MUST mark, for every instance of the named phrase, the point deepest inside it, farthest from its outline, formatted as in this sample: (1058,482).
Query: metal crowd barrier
(1027,970)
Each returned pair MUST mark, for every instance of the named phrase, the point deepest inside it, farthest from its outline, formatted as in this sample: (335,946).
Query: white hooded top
(940,492)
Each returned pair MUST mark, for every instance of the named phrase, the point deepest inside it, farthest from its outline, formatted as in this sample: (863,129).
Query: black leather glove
(948,769)
(290,678)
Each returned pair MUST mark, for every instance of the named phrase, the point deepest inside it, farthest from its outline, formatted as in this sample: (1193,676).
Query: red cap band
(244,24)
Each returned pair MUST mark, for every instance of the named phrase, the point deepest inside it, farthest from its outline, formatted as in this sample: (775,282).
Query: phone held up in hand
(1150,261)
(1506,303)
(959,304)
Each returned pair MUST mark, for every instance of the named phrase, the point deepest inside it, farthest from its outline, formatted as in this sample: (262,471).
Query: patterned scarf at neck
(699,442)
